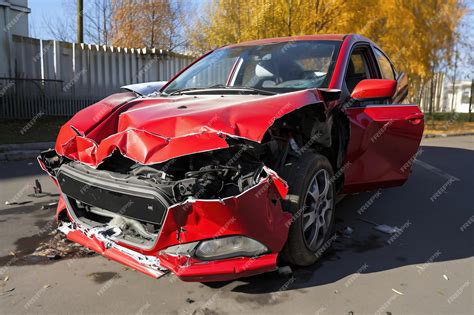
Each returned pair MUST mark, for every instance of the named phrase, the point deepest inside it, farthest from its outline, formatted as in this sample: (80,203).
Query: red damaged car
(236,162)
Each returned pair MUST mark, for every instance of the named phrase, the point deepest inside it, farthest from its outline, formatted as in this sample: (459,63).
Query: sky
(49,9)
(41,9)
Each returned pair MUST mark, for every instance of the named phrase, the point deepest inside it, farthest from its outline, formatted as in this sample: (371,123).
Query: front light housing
(181,249)
(227,247)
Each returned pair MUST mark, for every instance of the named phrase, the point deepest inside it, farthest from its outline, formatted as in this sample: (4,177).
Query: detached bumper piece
(183,267)
(134,222)
(96,241)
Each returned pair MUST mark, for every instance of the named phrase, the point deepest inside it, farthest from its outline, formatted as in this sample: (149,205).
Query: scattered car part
(387,229)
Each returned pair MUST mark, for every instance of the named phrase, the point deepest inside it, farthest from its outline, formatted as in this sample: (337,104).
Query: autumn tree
(148,23)
(417,34)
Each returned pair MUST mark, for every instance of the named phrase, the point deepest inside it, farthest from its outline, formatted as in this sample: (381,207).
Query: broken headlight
(228,247)
(181,249)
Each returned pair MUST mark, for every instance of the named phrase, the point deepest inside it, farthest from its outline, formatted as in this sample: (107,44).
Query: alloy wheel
(317,215)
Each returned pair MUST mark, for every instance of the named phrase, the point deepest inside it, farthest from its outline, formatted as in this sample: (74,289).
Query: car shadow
(431,209)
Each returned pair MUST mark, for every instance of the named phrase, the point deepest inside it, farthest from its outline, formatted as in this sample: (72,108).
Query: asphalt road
(427,268)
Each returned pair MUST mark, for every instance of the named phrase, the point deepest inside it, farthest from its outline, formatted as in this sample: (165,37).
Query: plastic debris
(49,206)
(6,278)
(286,270)
(387,229)
(7,291)
(37,188)
(445,277)
(347,232)
(397,292)
(54,257)
(58,247)
(8,203)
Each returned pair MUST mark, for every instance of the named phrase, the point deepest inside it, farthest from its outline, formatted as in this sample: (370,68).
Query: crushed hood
(154,130)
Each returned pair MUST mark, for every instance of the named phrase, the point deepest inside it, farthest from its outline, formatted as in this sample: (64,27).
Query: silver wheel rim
(317,215)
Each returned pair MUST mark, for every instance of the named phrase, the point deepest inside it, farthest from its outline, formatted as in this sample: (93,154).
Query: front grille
(135,201)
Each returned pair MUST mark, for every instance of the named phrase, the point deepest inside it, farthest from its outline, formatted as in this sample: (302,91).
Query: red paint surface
(219,270)
(253,214)
(374,88)
(155,130)
(382,142)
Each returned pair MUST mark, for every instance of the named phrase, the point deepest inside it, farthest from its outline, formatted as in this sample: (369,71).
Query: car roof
(334,37)
(337,37)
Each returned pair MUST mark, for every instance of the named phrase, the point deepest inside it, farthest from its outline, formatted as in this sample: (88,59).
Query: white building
(462,94)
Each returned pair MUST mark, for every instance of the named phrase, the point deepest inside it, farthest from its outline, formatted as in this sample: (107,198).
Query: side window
(385,67)
(357,69)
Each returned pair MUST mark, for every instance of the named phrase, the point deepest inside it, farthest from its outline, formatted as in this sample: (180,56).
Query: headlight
(227,247)
(181,249)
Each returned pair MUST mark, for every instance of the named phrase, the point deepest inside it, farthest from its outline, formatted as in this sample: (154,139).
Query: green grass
(43,129)
(459,117)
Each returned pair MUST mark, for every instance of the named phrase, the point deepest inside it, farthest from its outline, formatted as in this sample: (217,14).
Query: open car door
(384,137)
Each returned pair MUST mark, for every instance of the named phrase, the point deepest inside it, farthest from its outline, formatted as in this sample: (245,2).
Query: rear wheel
(311,200)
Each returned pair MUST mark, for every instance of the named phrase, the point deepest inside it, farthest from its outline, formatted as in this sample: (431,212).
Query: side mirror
(374,89)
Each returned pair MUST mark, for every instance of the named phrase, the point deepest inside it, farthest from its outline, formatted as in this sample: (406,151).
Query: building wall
(462,93)
(13,21)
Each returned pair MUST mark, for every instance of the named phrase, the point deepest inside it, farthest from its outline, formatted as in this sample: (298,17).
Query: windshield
(277,68)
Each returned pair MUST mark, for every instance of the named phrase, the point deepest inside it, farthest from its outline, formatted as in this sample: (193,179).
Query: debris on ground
(37,188)
(397,292)
(388,229)
(190,301)
(51,205)
(6,278)
(58,247)
(347,232)
(49,248)
(15,203)
(7,291)
(445,277)
(285,271)
(383,227)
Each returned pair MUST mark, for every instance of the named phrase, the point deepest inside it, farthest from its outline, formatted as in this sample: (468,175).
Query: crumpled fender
(204,219)
(154,130)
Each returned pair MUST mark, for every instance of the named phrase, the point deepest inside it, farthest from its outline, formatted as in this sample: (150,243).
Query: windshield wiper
(225,87)
(248,88)
(180,91)
(245,88)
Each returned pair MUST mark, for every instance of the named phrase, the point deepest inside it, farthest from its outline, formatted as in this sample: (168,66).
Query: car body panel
(155,130)
(383,140)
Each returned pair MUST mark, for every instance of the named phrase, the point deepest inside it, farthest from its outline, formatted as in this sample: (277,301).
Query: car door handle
(415,119)
(415,116)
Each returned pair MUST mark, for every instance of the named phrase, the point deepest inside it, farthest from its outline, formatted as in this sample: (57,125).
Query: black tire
(299,174)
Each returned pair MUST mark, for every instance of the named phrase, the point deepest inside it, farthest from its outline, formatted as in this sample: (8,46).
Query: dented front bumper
(256,213)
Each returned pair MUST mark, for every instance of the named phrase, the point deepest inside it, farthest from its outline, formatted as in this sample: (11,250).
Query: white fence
(59,78)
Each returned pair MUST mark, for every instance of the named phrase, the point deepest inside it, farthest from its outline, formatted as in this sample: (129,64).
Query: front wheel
(311,200)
